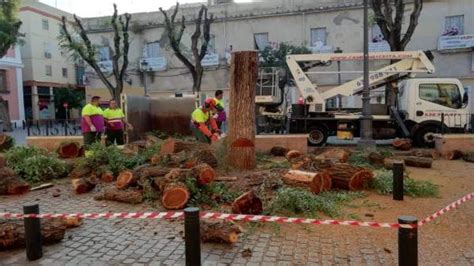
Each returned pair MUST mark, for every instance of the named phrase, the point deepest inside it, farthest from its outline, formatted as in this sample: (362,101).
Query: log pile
(348,177)
(219,232)
(69,150)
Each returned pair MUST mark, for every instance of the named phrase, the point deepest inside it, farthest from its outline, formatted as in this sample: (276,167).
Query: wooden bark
(348,177)
(219,232)
(468,157)
(376,158)
(3,161)
(155,159)
(279,151)
(418,161)
(433,154)
(171,146)
(243,81)
(68,150)
(126,196)
(107,176)
(204,174)
(82,185)
(315,181)
(80,171)
(13,185)
(336,155)
(389,162)
(402,144)
(205,156)
(152,171)
(247,203)
(12,233)
(175,195)
(293,154)
(6,142)
(453,155)
(125,179)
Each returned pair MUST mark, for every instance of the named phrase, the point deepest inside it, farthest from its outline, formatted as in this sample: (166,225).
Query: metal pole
(145,82)
(398,181)
(34,248)
(408,242)
(366,119)
(192,236)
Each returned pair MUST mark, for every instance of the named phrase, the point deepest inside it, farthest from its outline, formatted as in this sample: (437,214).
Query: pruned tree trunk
(125,196)
(219,232)
(80,171)
(204,174)
(348,177)
(453,155)
(247,203)
(315,181)
(69,150)
(279,151)
(418,161)
(12,232)
(402,144)
(175,195)
(205,156)
(171,146)
(151,171)
(242,110)
(125,179)
(336,155)
(82,185)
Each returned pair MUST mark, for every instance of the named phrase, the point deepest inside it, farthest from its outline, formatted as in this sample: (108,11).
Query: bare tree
(391,24)
(82,47)
(175,33)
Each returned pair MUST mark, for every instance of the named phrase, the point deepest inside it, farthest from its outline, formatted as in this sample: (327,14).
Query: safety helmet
(209,103)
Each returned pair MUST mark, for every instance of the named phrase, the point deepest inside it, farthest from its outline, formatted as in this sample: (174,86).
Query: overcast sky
(92,8)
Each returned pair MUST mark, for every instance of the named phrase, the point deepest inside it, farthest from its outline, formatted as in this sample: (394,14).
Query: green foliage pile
(210,195)
(289,201)
(35,165)
(383,184)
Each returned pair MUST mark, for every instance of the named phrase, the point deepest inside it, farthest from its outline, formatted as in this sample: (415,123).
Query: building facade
(11,84)
(445,27)
(47,68)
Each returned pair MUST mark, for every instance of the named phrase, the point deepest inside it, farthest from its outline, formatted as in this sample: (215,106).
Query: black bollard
(397,181)
(34,247)
(192,235)
(408,242)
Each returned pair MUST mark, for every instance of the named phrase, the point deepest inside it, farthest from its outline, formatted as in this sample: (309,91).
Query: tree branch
(126,43)
(417,7)
(116,56)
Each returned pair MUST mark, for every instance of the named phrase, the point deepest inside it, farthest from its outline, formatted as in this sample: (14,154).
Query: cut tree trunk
(152,171)
(13,185)
(175,195)
(80,171)
(82,185)
(107,176)
(247,203)
(204,174)
(348,177)
(376,158)
(12,232)
(336,155)
(205,156)
(418,161)
(171,146)
(68,150)
(126,196)
(402,144)
(293,154)
(125,179)
(243,79)
(219,232)
(297,178)
(433,154)
(453,155)
(279,151)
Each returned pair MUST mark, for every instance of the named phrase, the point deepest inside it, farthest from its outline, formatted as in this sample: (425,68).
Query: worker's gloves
(93,129)
(214,138)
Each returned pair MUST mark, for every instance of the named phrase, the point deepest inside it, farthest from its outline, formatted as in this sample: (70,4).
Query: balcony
(456,43)
(153,64)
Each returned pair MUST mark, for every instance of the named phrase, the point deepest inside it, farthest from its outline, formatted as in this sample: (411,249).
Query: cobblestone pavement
(448,241)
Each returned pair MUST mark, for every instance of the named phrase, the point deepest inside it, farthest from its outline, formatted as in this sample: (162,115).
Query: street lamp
(339,98)
(366,119)
(144,66)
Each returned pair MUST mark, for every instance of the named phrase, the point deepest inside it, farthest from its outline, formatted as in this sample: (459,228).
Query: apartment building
(11,84)
(47,68)
(445,27)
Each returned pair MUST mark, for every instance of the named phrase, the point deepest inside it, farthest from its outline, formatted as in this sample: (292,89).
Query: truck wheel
(317,136)
(424,136)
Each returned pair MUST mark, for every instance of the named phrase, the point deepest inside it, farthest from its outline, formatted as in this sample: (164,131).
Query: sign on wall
(382,46)
(154,63)
(210,60)
(455,42)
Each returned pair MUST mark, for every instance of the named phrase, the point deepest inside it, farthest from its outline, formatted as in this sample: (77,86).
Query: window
(377,35)
(3,81)
(443,94)
(64,71)
(47,50)
(318,37)
(152,49)
(48,70)
(45,24)
(260,40)
(454,25)
(104,53)
(211,45)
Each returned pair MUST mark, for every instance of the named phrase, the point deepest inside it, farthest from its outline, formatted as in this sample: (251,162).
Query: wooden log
(433,154)
(125,179)
(418,161)
(82,185)
(453,155)
(175,195)
(72,222)
(336,155)
(402,144)
(247,203)
(205,156)
(152,171)
(170,146)
(279,151)
(125,196)
(348,177)
(67,150)
(225,178)
(12,232)
(3,160)
(389,162)
(6,142)
(42,186)
(376,159)
(107,176)
(80,171)
(6,172)
(204,174)
(13,185)
(303,179)
(243,79)
(155,159)
(219,232)
(293,154)
(468,157)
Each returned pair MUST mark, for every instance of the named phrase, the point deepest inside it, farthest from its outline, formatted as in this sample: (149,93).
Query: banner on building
(154,63)
(382,46)
(455,42)
(210,60)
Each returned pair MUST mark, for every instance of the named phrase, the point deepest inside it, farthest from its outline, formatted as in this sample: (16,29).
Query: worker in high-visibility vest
(220,116)
(115,124)
(203,125)
(92,122)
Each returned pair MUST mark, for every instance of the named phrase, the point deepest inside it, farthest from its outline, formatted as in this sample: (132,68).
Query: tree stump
(125,179)
(68,150)
(453,155)
(247,203)
(219,232)
(12,232)
(243,80)
(279,151)
(348,177)
(175,195)
(125,196)
(418,161)
(297,178)
(204,174)
(402,144)
(82,185)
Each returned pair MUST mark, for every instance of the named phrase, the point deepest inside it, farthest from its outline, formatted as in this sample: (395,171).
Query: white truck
(425,105)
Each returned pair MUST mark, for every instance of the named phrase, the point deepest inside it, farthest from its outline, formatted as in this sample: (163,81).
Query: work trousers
(90,138)
(114,137)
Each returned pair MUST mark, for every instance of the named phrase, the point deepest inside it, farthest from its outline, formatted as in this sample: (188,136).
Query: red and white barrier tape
(234,217)
(446,209)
